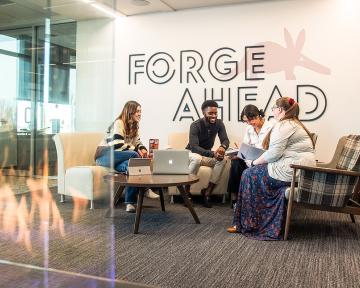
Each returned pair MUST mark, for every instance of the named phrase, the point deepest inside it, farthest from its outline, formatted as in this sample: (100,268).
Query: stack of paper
(231,151)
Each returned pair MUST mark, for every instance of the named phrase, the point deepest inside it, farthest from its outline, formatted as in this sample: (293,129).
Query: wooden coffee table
(151,181)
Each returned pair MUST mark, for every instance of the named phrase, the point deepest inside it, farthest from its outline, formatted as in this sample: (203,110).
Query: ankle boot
(207,202)
(188,195)
(206,199)
(233,204)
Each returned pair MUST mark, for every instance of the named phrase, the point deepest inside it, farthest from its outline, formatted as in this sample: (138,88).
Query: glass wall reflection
(43,93)
(26,114)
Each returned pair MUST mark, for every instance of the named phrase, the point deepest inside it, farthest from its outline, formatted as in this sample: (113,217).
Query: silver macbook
(139,166)
(171,162)
(248,152)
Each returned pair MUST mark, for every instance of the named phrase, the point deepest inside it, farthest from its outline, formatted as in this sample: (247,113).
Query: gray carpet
(172,251)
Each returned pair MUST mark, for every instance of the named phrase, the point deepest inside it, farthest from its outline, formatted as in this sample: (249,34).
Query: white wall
(94,75)
(332,39)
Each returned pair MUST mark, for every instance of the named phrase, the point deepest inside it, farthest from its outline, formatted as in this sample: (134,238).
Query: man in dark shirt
(201,141)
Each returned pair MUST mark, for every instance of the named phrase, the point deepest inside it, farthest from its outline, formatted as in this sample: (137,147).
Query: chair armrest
(326,170)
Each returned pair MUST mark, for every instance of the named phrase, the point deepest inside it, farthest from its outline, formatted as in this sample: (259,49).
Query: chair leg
(352,218)
(62,198)
(224,199)
(290,203)
(91,204)
(287,223)
(172,199)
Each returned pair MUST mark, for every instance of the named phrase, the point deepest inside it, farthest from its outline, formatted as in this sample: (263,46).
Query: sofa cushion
(86,182)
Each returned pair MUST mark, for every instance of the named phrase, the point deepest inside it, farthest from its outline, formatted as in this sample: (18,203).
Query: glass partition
(44,93)
(28,119)
(15,76)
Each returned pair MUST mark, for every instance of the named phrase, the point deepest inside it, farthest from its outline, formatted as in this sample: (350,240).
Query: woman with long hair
(121,143)
(257,128)
(261,204)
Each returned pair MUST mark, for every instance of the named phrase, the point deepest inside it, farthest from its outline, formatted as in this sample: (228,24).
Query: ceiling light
(104,9)
(140,2)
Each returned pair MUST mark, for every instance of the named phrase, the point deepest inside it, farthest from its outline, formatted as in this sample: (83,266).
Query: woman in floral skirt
(261,204)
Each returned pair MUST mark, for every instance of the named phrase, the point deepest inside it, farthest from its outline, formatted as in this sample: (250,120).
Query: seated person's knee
(196,160)
(134,154)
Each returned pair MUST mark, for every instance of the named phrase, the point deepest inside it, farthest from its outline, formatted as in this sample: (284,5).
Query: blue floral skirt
(261,205)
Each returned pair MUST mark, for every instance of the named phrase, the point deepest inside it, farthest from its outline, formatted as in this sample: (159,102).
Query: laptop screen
(171,162)
(136,162)
(139,166)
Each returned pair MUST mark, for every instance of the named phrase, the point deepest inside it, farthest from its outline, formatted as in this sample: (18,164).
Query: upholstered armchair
(333,186)
(77,174)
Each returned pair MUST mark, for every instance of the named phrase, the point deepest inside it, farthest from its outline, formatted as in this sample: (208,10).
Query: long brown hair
(291,108)
(126,116)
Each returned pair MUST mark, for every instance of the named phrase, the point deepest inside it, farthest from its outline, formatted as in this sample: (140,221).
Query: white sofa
(179,141)
(77,174)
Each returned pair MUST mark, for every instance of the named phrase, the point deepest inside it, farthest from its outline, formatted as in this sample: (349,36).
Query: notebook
(232,151)
(139,166)
(171,162)
(248,152)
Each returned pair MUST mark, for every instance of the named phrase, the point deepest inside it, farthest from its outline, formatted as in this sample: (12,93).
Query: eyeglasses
(248,121)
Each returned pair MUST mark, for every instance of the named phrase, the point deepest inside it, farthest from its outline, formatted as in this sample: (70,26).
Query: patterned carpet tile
(172,251)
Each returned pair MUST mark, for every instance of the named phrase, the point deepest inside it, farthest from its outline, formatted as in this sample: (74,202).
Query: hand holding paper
(249,152)
(231,151)
(248,162)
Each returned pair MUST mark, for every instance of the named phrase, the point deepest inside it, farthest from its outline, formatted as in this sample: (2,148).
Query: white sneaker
(150,194)
(130,208)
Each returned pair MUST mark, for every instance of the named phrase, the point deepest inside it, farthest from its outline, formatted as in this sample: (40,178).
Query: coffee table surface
(152,180)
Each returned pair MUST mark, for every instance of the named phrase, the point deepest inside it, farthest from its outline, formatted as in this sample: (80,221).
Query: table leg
(161,193)
(188,203)
(139,209)
(118,190)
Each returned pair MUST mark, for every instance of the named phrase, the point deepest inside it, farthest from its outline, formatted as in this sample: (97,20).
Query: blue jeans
(121,161)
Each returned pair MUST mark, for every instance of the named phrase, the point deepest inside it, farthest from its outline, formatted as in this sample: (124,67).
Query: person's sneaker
(188,194)
(150,194)
(189,198)
(130,208)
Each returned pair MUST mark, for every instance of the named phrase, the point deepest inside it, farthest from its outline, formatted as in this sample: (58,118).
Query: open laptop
(171,162)
(139,166)
(248,152)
